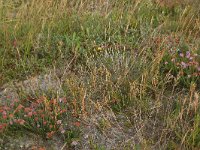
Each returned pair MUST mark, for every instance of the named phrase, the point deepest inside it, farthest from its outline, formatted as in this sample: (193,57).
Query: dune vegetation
(125,74)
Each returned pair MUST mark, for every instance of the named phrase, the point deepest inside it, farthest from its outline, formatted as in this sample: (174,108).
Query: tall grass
(140,58)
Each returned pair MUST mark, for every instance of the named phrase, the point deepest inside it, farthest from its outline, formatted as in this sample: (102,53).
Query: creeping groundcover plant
(41,115)
(182,64)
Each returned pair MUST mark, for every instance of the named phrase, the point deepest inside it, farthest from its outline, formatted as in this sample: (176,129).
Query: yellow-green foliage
(140,58)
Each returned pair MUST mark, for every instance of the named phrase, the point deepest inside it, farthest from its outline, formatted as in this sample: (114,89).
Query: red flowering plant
(42,116)
(182,63)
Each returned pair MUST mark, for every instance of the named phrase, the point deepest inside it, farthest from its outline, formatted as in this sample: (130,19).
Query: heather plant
(180,61)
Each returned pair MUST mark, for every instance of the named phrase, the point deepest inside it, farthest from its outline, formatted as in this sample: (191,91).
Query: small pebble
(86,136)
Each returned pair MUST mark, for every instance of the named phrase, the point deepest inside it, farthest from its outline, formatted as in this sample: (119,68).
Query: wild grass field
(99,74)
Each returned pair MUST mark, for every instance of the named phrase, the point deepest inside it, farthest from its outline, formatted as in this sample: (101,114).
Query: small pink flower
(51,126)
(188,54)
(50,134)
(19,107)
(62,111)
(166,63)
(2,126)
(4,113)
(77,124)
(8,96)
(4,116)
(6,108)
(181,55)
(39,101)
(12,105)
(60,100)
(183,64)
(74,143)
(16,100)
(62,131)
(27,109)
(30,114)
(21,121)
(11,115)
(59,122)
(44,123)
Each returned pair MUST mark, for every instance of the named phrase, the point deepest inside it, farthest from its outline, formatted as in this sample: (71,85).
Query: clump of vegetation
(40,116)
(179,60)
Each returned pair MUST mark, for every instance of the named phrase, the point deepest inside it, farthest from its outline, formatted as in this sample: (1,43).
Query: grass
(138,58)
